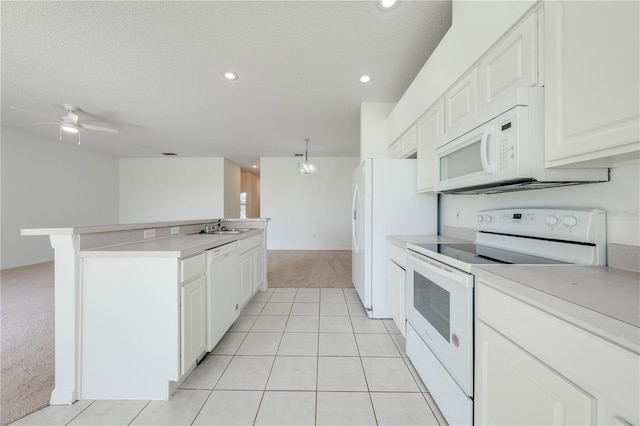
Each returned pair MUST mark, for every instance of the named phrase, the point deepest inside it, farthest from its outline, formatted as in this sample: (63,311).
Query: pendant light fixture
(306,168)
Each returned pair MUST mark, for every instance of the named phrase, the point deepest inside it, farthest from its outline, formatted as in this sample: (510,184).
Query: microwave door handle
(485,147)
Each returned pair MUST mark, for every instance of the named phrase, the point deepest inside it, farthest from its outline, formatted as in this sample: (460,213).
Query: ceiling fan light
(69,128)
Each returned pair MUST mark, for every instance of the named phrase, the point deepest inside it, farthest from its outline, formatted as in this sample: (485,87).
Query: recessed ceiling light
(230,75)
(387,4)
(365,79)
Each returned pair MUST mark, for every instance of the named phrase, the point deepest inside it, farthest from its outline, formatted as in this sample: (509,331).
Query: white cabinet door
(430,127)
(395,149)
(246,277)
(513,387)
(511,63)
(258,268)
(592,92)
(395,288)
(409,141)
(193,322)
(461,100)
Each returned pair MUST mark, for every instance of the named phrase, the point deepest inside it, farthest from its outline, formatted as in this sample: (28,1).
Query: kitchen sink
(231,231)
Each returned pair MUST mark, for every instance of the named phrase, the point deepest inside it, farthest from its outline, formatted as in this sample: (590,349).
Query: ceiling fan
(69,123)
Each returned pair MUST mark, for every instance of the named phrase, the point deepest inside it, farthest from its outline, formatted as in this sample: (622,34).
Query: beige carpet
(309,268)
(27,327)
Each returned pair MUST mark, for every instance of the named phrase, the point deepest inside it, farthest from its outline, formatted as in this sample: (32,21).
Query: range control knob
(570,221)
(479,218)
(487,218)
(552,220)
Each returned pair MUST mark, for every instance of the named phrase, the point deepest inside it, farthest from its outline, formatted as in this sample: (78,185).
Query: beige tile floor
(294,357)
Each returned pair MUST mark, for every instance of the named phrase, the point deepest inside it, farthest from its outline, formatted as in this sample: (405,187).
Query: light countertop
(603,300)
(125,227)
(177,246)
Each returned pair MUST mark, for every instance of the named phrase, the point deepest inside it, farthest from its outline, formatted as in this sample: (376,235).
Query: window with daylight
(243,205)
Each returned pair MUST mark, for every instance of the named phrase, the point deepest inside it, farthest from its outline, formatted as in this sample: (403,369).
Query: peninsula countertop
(176,246)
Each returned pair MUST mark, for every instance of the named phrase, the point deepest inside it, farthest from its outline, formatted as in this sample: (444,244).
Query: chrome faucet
(218,226)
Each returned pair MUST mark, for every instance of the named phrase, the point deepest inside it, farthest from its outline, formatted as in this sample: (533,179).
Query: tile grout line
(82,411)
(139,412)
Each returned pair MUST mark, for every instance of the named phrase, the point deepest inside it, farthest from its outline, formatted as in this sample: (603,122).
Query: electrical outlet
(175,230)
(149,233)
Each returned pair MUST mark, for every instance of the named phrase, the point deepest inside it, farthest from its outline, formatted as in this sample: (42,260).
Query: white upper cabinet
(395,149)
(409,141)
(511,63)
(592,92)
(461,100)
(405,146)
(430,127)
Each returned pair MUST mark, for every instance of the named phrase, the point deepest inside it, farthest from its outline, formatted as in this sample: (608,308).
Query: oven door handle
(458,277)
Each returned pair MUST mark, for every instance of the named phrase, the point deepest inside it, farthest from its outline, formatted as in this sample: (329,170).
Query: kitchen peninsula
(133,303)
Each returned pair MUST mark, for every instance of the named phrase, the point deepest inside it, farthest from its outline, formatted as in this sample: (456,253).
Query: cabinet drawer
(192,267)
(250,243)
(396,254)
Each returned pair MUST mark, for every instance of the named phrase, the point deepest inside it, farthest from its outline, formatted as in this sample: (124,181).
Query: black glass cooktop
(477,254)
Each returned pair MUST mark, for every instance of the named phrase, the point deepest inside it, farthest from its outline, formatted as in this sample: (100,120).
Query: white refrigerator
(385,202)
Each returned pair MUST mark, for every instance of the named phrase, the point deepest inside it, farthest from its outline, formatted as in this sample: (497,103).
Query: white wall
(162,189)
(307,212)
(373,129)
(231,189)
(476,26)
(620,198)
(46,183)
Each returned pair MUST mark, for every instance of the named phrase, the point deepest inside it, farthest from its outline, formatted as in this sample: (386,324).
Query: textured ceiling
(153,71)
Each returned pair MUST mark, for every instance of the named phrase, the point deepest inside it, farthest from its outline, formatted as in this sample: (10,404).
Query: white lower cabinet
(532,367)
(193,314)
(246,277)
(258,256)
(513,387)
(252,267)
(395,285)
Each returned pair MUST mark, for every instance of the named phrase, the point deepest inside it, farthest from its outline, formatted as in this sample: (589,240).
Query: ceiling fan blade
(98,128)
(34,113)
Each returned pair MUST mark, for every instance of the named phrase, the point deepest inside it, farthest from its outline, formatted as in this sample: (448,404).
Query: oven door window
(432,301)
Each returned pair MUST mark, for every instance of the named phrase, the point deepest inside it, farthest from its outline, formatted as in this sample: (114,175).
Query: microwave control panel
(506,143)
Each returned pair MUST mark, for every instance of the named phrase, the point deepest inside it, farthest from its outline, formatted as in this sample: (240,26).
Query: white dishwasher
(223,290)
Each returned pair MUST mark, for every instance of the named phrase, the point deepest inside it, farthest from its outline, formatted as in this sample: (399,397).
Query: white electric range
(440,297)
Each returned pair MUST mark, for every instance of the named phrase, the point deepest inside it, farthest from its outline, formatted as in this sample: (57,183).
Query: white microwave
(501,149)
